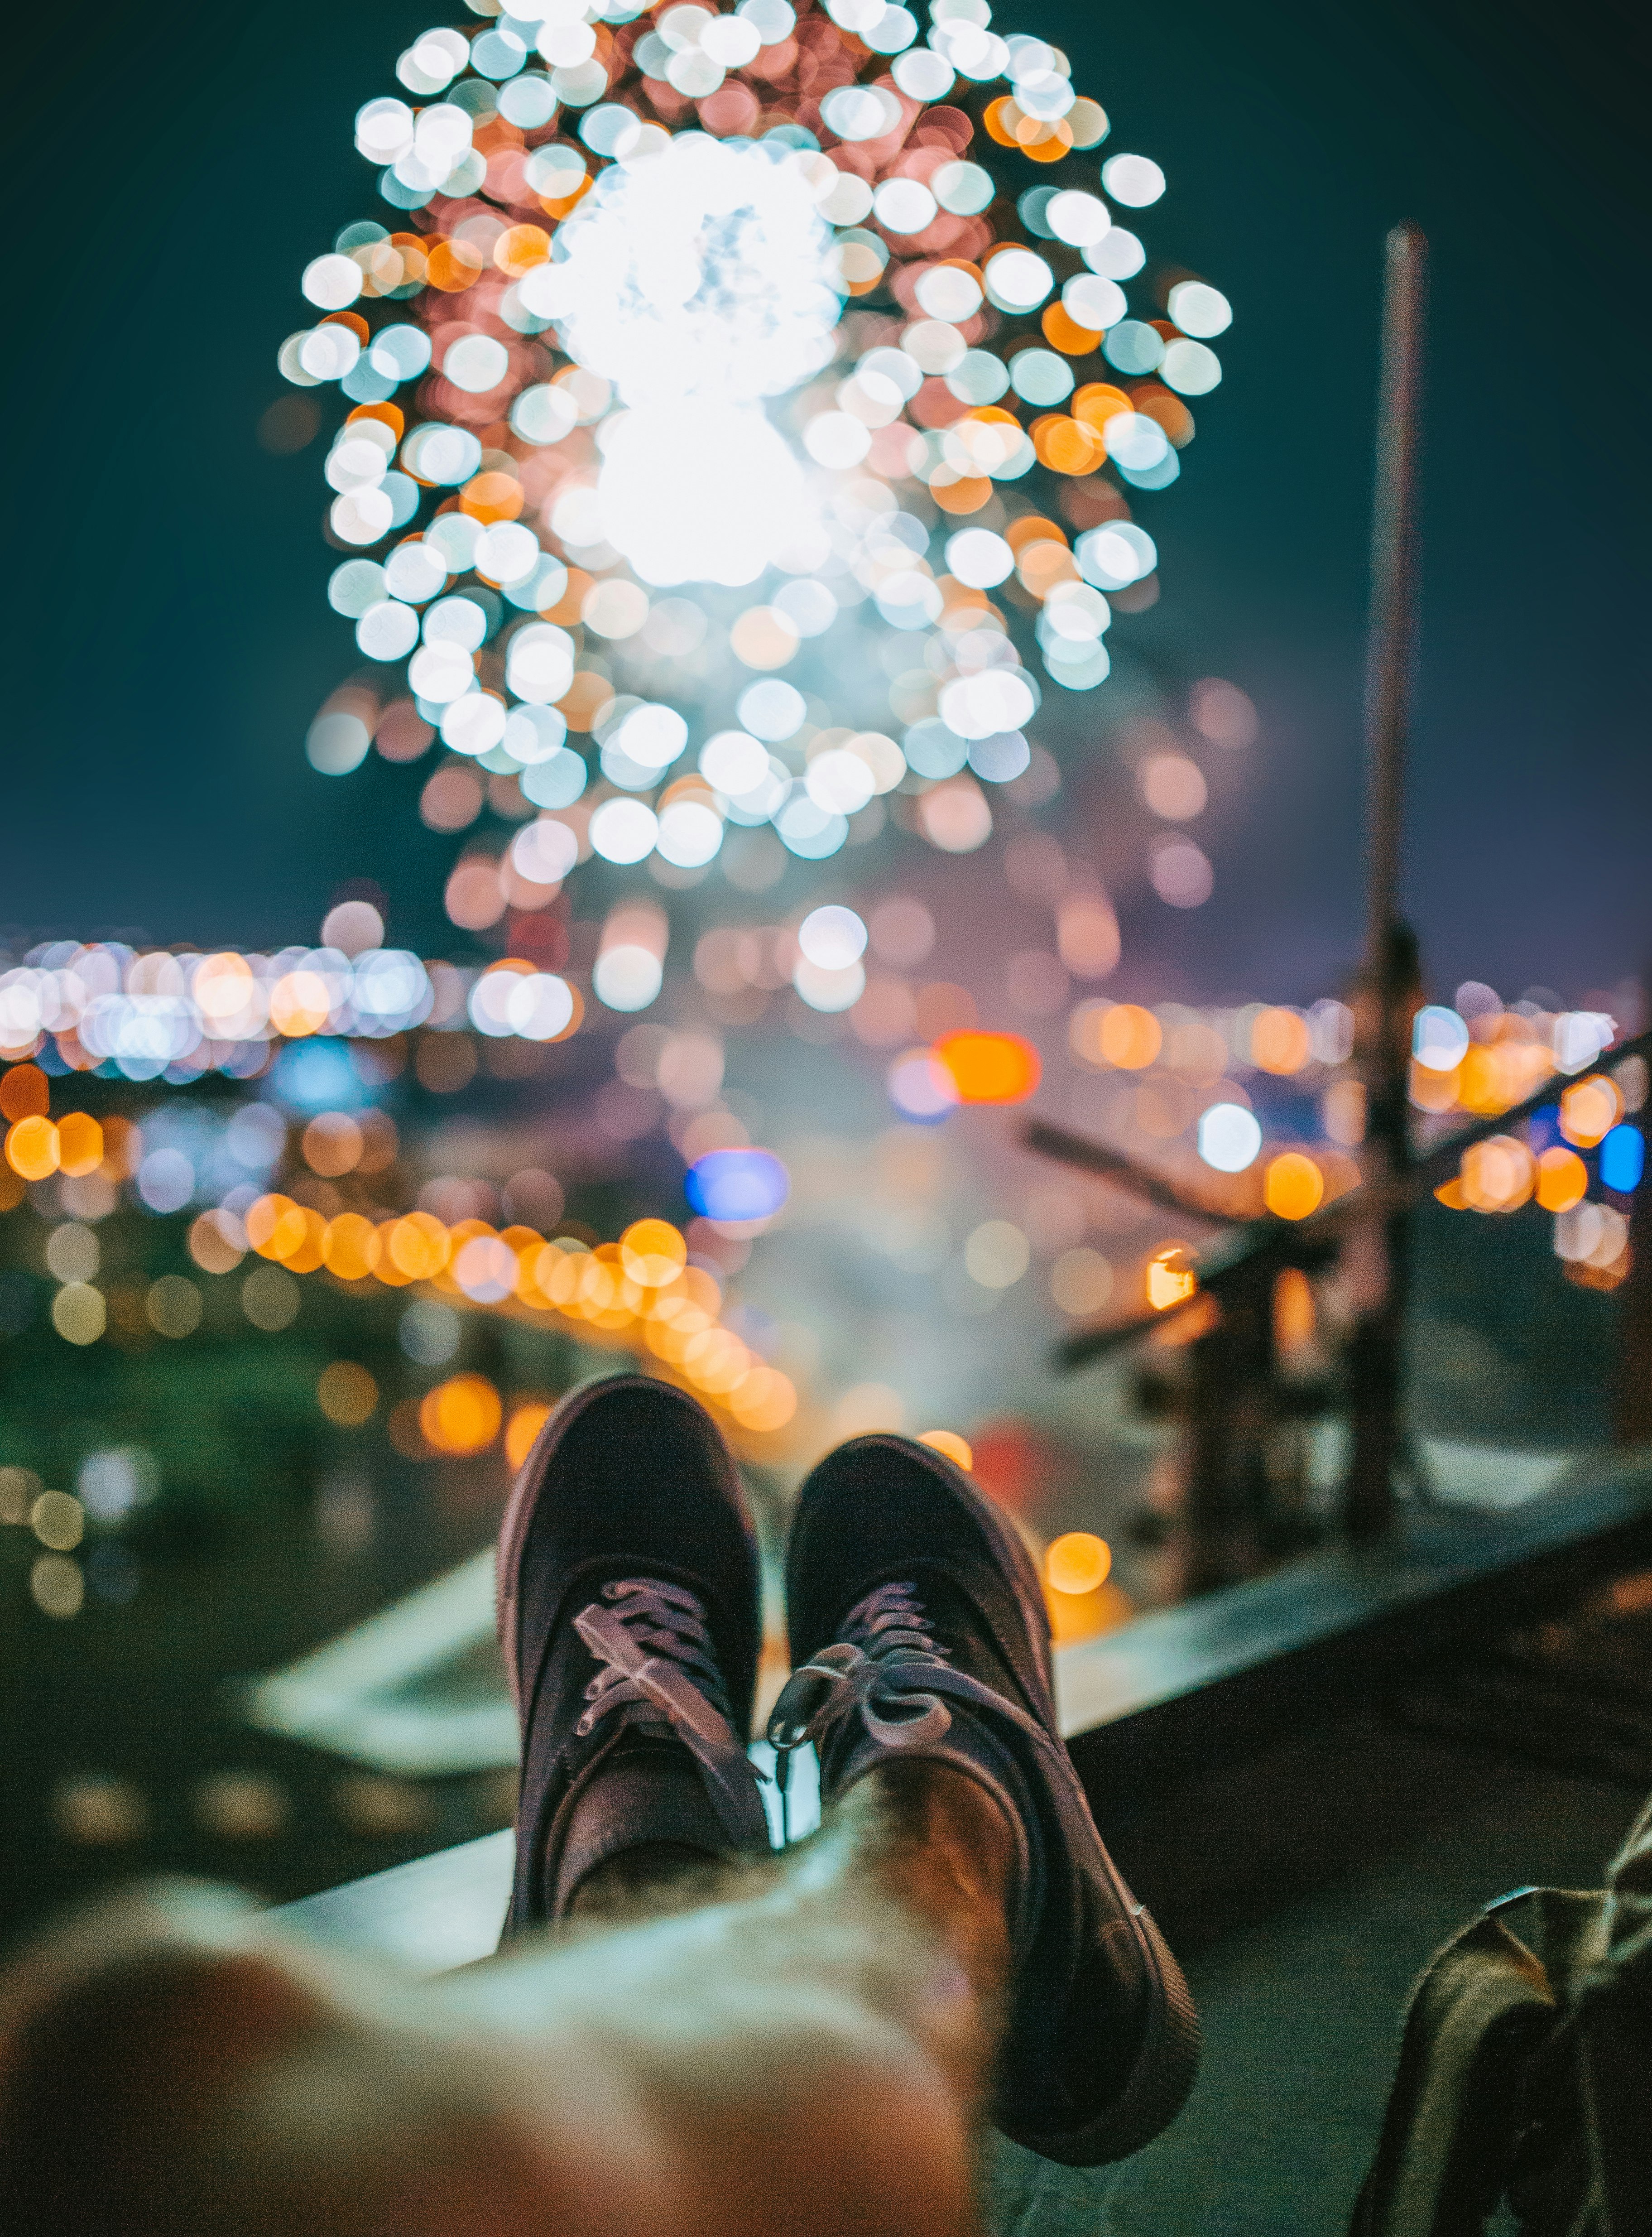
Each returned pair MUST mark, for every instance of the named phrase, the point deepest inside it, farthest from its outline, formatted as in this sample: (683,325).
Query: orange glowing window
(1168,1278)
(990,1067)
(461,1415)
(1129,1037)
(1294,1313)
(1077,1561)
(1293,1185)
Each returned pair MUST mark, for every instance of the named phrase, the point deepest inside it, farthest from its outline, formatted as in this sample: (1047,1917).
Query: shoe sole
(1168,2058)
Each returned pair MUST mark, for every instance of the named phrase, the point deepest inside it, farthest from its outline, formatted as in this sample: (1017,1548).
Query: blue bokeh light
(738,1184)
(1622,1159)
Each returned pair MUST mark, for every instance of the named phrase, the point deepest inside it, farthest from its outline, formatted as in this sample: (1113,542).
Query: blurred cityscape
(745,440)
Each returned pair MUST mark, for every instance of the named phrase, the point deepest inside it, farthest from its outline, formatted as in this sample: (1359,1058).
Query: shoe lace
(658,1670)
(886,1667)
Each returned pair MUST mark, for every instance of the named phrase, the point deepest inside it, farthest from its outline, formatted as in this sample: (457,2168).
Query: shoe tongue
(953,1620)
(644,1793)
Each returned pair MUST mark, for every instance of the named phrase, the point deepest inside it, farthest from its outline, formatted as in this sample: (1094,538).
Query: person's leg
(919,1638)
(801,2054)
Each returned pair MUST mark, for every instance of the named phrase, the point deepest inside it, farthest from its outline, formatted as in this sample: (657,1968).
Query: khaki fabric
(1525,2070)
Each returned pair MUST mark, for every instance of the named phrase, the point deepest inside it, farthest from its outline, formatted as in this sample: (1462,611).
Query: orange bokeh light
(1129,1037)
(990,1067)
(1498,1175)
(276,1227)
(461,1415)
(25,1093)
(490,496)
(1293,1185)
(1588,1111)
(80,1143)
(1563,1179)
(1063,332)
(963,493)
(1279,1042)
(653,1253)
(525,1425)
(418,1246)
(1168,1278)
(350,1247)
(31,1148)
(520,247)
(764,1402)
(1067,446)
(348,1393)
(1077,1561)
(454,266)
(948,1442)
(1097,402)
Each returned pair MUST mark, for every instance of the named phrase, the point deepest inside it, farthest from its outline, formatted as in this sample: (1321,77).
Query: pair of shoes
(629,1619)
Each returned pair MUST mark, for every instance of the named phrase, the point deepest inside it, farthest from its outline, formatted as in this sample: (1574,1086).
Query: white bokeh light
(832,937)
(698,282)
(1229,1138)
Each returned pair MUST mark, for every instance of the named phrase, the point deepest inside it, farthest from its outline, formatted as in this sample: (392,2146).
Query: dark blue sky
(169,639)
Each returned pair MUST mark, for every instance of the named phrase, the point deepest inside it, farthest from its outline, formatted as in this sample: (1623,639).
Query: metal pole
(1375,1357)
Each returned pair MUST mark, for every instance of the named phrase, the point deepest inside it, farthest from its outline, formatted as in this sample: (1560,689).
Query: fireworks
(732,351)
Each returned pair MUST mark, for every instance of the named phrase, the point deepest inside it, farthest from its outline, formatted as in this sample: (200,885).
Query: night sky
(169,638)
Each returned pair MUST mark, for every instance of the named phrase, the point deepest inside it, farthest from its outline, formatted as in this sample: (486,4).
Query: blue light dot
(1622,1159)
(738,1184)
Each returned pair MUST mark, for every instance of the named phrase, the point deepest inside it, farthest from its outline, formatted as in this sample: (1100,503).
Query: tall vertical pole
(1391,967)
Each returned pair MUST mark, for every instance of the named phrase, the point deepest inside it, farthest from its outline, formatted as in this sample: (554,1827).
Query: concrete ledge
(1173,1698)
(1195,1686)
